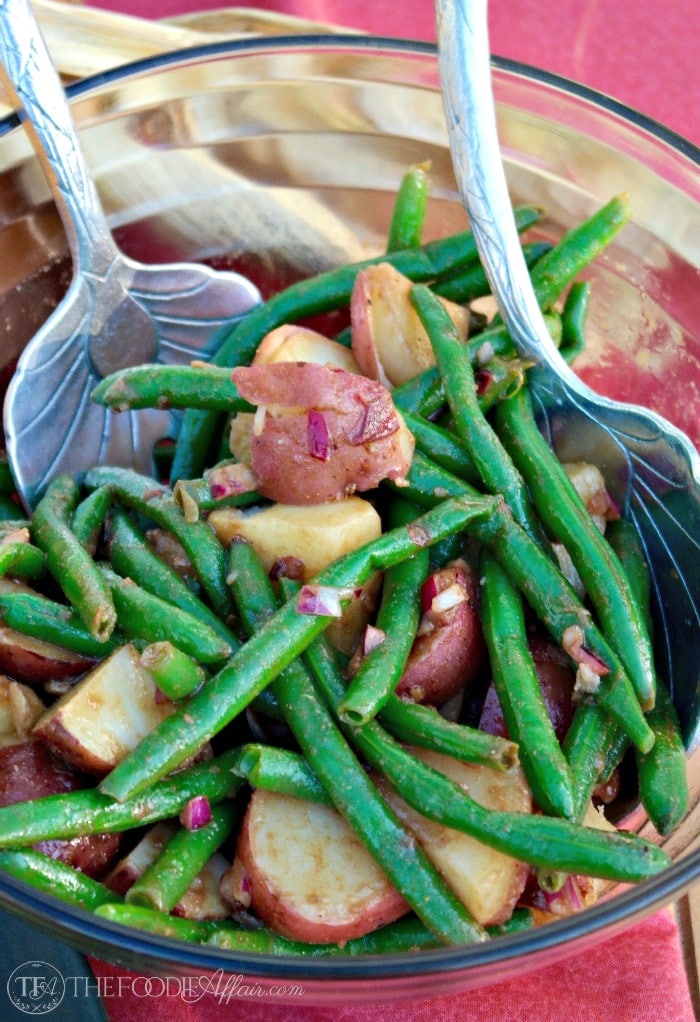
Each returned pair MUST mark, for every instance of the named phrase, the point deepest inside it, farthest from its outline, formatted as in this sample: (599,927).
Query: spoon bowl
(651,468)
(117,312)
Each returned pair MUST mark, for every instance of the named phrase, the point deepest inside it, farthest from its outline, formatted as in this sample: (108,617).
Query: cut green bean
(181,860)
(175,673)
(155,501)
(68,561)
(662,772)
(160,923)
(277,644)
(89,518)
(87,811)
(56,878)
(408,214)
(36,615)
(276,769)
(133,557)
(21,560)
(573,320)
(493,462)
(397,619)
(519,693)
(472,282)
(142,615)
(344,777)
(567,520)
(199,385)
(442,446)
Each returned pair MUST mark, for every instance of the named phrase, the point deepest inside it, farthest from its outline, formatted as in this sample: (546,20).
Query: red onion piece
(572,642)
(196,813)
(317,438)
(377,420)
(324,601)
(373,637)
(428,592)
(448,598)
(229,480)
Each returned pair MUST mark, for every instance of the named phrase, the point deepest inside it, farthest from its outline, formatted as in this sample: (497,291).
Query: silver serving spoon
(652,468)
(117,312)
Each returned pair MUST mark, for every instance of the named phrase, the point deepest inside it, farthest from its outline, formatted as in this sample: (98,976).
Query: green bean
(519,693)
(87,811)
(553,273)
(472,282)
(155,501)
(408,215)
(397,618)
(322,293)
(68,561)
(266,653)
(345,779)
(551,597)
(550,842)
(586,746)
(494,464)
(56,878)
(160,923)
(442,446)
(42,618)
(199,385)
(175,673)
(133,557)
(405,935)
(89,518)
(145,616)
(573,320)
(567,519)
(184,856)
(21,560)
(425,727)
(276,769)
(662,773)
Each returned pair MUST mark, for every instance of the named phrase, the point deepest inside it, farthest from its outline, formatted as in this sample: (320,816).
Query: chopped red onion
(566,900)
(450,597)
(428,591)
(324,601)
(317,438)
(572,642)
(373,637)
(196,813)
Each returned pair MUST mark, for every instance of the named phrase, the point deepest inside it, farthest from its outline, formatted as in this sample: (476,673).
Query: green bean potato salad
(363,668)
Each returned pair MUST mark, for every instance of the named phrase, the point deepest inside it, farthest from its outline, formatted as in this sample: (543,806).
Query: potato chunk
(308,874)
(489,883)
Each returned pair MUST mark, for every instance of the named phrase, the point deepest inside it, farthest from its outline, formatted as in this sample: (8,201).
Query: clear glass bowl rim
(545,943)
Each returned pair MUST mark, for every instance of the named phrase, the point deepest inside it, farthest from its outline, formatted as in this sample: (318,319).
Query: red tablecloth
(646,55)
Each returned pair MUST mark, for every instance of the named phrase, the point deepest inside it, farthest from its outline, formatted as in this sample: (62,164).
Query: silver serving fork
(117,312)
(650,465)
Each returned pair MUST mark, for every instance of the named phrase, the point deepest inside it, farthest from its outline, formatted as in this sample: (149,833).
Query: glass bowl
(281,157)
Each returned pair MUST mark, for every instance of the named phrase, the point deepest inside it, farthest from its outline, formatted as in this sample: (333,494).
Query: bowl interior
(281,158)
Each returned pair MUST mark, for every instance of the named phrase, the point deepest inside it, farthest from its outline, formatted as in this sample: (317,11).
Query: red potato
(389,341)
(556,681)
(20,708)
(29,770)
(203,899)
(449,650)
(307,874)
(321,433)
(292,343)
(37,662)
(489,883)
(105,715)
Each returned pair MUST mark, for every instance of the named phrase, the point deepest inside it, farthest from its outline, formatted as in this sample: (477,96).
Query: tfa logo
(36,987)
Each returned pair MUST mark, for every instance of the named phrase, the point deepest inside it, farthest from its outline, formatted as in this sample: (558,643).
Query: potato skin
(28,770)
(449,651)
(307,874)
(35,661)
